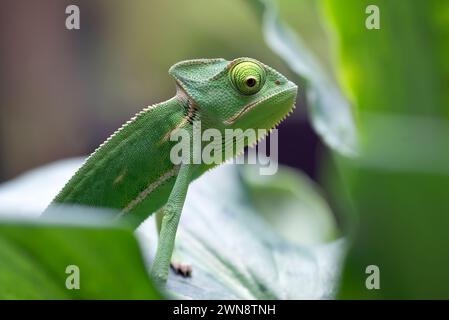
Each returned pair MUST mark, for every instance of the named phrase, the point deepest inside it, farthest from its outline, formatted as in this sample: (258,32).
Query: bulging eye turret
(248,77)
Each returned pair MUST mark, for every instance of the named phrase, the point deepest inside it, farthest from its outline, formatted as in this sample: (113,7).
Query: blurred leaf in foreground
(398,76)
(34,256)
(330,112)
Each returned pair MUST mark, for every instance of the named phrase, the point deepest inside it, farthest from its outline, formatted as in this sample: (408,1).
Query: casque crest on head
(230,90)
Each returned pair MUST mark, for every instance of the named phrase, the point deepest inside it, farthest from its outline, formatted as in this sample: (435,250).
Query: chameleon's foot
(183,269)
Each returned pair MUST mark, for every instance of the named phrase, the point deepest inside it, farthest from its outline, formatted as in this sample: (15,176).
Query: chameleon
(132,172)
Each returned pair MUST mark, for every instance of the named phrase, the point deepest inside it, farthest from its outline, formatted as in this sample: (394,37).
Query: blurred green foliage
(34,257)
(397,78)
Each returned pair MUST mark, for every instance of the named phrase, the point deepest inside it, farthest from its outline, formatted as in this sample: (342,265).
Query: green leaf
(292,204)
(397,76)
(34,256)
(237,254)
(402,67)
(330,112)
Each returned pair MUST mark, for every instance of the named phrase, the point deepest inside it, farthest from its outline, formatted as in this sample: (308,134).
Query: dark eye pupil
(250,82)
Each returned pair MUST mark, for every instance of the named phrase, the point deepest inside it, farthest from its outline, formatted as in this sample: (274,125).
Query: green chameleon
(132,171)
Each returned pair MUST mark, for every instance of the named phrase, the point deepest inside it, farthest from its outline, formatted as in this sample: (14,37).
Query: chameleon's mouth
(289,93)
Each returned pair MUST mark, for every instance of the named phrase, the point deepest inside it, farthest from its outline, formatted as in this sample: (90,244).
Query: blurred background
(64,91)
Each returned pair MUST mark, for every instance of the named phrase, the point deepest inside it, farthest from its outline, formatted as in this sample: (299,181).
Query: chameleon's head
(243,93)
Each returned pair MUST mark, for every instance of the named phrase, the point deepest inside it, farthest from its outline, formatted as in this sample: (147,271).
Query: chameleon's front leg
(177,264)
(171,215)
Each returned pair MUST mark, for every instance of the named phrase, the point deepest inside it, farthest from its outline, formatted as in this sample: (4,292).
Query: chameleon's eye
(248,77)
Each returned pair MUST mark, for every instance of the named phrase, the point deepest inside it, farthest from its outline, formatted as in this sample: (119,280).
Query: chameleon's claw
(183,269)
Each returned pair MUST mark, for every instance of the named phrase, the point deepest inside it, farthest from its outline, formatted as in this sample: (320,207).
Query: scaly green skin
(131,171)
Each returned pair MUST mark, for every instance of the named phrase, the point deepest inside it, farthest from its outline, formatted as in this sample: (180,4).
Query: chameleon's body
(132,171)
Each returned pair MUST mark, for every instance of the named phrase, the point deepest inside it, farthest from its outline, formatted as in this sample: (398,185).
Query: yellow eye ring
(248,77)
